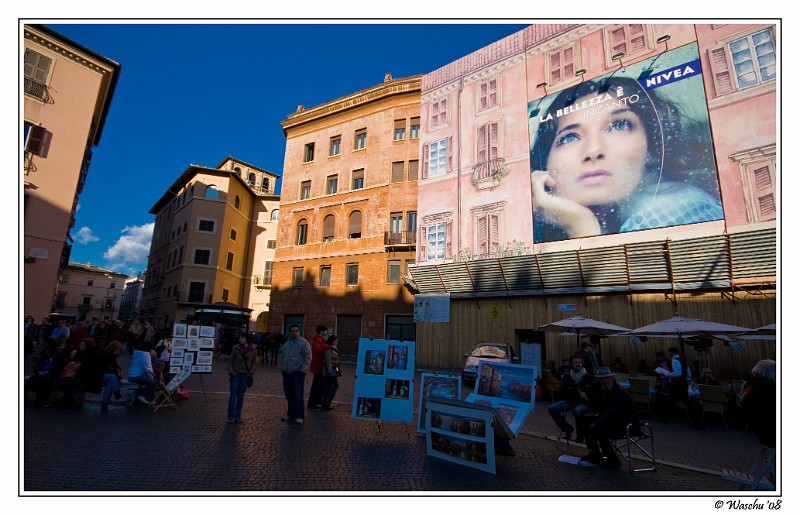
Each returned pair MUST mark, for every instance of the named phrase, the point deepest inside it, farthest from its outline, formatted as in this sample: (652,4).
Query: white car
(486,351)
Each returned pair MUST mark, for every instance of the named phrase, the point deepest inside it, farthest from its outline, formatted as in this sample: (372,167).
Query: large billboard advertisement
(626,151)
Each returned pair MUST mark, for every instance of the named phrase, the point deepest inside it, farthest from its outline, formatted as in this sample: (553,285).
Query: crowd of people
(602,408)
(80,357)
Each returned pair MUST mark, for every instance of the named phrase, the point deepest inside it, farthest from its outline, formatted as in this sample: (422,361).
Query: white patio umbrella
(766,332)
(681,327)
(580,326)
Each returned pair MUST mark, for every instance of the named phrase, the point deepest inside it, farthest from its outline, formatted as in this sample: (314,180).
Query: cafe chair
(640,391)
(713,398)
(551,384)
(639,439)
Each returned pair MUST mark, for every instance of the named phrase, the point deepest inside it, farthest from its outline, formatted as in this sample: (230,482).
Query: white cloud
(85,235)
(132,247)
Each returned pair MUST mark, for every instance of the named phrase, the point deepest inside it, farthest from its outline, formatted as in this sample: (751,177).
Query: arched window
(238,171)
(328,228)
(302,232)
(265,183)
(212,192)
(354,227)
(237,202)
(251,179)
(274,216)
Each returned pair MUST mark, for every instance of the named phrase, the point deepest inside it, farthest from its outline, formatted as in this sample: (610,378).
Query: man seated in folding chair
(612,409)
(572,384)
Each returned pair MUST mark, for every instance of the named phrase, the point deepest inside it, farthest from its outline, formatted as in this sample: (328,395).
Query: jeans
(331,386)
(149,386)
(236,400)
(293,391)
(111,384)
(559,408)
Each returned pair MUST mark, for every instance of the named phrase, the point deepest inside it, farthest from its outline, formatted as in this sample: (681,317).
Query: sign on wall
(626,151)
(432,307)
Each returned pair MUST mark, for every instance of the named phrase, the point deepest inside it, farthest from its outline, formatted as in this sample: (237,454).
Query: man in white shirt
(680,376)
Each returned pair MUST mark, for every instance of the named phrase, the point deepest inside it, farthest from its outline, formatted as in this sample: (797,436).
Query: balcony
(36,89)
(189,297)
(488,174)
(262,281)
(400,240)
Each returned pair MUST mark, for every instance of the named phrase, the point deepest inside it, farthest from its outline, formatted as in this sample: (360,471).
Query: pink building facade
(625,172)
(475,185)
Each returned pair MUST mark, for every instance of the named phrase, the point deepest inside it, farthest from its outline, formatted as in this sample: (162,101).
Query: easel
(165,396)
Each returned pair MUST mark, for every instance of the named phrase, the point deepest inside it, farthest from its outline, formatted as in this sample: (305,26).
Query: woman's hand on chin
(575,219)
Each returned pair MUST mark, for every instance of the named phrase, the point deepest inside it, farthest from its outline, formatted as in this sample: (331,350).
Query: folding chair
(635,440)
(760,475)
(164,396)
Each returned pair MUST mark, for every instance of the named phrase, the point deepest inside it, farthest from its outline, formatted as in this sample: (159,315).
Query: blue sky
(193,93)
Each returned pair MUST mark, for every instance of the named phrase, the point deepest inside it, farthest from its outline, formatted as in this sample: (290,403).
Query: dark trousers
(599,436)
(679,390)
(331,387)
(316,391)
(293,383)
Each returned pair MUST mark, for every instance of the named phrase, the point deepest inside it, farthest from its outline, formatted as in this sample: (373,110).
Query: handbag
(70,370)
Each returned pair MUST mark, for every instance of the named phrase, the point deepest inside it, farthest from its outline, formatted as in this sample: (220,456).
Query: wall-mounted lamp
(580,73)
(535,111)
(618,57)
(664,39)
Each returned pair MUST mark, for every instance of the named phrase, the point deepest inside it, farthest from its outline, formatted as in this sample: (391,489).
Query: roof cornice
(359,98)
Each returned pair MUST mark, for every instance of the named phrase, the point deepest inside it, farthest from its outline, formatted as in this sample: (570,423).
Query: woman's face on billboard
(598,154)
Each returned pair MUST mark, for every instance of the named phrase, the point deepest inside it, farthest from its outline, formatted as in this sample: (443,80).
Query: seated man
(578,380)
(612,410)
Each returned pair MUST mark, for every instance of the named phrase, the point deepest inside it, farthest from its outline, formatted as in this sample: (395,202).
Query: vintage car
(486,351)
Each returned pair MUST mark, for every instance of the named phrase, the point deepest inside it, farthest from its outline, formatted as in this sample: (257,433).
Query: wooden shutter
(443,111)
(397,171)
(37,140)
(413,170)
(449,153)
(328,227)
(37,66)
(493,140)
(492,92)
(618,41)
(719,61)
(355,223)
(448,240)
(483,248)
(637,40)
(763,181)
(494,230)
(423,242)
(484,94)
(425,159)
(482,137)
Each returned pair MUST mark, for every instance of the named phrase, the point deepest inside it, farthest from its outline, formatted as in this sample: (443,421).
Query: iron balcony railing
(400,238)
(489,171)
(36,89)
(262,280)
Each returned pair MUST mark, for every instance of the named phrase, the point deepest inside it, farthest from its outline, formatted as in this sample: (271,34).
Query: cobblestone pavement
(192,449)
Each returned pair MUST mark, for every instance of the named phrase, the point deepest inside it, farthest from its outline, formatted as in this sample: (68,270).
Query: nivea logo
(683,71)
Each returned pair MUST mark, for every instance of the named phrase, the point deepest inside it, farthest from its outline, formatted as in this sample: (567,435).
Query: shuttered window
(397,171)
(354,225)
